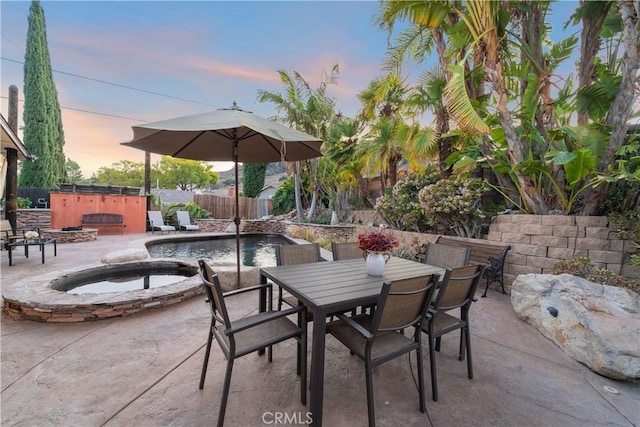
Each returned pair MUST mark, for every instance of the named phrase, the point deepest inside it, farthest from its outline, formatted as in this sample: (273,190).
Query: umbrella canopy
(213,136)
(228,134)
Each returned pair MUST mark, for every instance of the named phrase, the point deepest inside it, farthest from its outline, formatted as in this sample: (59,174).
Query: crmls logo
(287,418)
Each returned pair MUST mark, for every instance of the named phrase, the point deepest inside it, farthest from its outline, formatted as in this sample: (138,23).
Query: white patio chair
(157,223)
(184,222)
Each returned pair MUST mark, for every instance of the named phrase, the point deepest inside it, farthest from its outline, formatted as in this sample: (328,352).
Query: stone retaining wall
(539,241)
(84,235)
(31,219)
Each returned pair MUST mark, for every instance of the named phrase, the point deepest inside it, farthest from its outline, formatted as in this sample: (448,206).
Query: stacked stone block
(539,241)
(33,219)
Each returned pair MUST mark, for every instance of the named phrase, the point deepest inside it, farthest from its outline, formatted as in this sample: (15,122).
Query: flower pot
(375,262)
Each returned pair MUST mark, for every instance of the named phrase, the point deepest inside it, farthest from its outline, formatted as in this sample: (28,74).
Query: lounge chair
(157,223)
(184,222)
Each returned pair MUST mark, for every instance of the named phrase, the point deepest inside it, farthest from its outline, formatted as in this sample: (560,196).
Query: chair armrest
(247,289)
(355,325)
(242,324)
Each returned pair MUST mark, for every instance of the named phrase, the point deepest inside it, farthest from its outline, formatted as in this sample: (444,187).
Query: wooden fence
(224,207)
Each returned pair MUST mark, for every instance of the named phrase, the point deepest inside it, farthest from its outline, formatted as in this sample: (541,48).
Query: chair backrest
(214,293)
(5,227)
(460,288)
(346,250)
(183,218)
(404,303)
(155,217)
(446,256)
(297,254)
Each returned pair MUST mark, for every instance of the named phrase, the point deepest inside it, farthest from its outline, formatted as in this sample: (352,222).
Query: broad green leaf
(460,105)
(580,167)
(463,162)
(561,157)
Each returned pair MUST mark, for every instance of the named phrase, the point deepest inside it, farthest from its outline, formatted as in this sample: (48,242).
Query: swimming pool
(256,250)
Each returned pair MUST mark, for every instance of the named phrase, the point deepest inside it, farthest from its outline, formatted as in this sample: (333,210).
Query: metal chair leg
(423,404)
(205,364)
(225,392)
(467,335)
(370,405)
(432,362)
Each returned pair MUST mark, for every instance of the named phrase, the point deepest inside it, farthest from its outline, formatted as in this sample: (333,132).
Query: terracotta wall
(67,210)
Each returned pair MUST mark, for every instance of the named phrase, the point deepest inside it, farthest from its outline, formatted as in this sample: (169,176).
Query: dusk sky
(119,64)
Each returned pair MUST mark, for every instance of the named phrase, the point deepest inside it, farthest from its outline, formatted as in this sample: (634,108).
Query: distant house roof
(11,140)
(266,187)
(173,196)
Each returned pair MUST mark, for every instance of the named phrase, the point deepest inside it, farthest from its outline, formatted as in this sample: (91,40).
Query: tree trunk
(442,114)
(314,203)
(589,47)
(622,105)
(296,188)
(534,202)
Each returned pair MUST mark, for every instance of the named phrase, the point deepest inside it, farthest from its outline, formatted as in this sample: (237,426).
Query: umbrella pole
(236,220)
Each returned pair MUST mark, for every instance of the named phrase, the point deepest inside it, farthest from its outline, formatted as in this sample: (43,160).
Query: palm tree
(309,110)
(340,148)
(389,139)
(505,43)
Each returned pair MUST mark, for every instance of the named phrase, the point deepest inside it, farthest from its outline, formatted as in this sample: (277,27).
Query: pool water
(256,250)
(127,283)
(124,277)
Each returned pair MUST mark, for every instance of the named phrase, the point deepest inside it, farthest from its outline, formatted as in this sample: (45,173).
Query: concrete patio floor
(143,370)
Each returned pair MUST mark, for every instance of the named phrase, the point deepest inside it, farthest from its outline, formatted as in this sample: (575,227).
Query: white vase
(375,263)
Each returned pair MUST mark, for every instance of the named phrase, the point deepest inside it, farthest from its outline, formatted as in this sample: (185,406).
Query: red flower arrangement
(376,242)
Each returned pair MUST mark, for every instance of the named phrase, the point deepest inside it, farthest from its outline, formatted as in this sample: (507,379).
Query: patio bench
(490,255)
(106,221)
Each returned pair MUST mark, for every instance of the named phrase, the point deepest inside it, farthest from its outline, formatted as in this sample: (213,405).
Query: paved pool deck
(143,370)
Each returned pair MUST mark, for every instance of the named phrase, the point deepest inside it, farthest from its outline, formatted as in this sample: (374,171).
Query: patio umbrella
(227,134)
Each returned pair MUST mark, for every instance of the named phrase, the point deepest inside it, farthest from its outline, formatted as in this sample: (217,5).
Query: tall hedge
(253,175)
(43,134)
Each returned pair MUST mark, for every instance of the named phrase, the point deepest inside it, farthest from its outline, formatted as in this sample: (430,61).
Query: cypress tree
(253,175)
(43,134)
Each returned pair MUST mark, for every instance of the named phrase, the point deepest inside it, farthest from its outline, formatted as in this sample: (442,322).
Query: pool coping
(32,297)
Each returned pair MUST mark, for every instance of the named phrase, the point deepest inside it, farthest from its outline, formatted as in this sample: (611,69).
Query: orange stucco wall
(67,210)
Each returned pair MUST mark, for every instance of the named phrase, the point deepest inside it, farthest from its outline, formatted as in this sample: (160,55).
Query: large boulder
(597,325)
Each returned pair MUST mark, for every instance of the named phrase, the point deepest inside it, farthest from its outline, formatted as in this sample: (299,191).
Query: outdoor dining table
(333,287)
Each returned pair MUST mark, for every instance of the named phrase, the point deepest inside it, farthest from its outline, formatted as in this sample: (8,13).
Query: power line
(90,112)
(116,84)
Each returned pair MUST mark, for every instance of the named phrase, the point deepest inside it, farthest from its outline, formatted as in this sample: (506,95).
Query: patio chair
(184,222)
(458,293)
(295,254)
(9,236)
(157,223)
(349,250)
(378,338)
(249,334)
(446,256)
(346,250)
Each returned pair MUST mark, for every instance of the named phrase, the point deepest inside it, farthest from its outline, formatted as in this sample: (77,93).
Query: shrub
(454,205)
(284,198)
(24,203)
(400,208)
(194,210)
(321,218)
(582,267)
